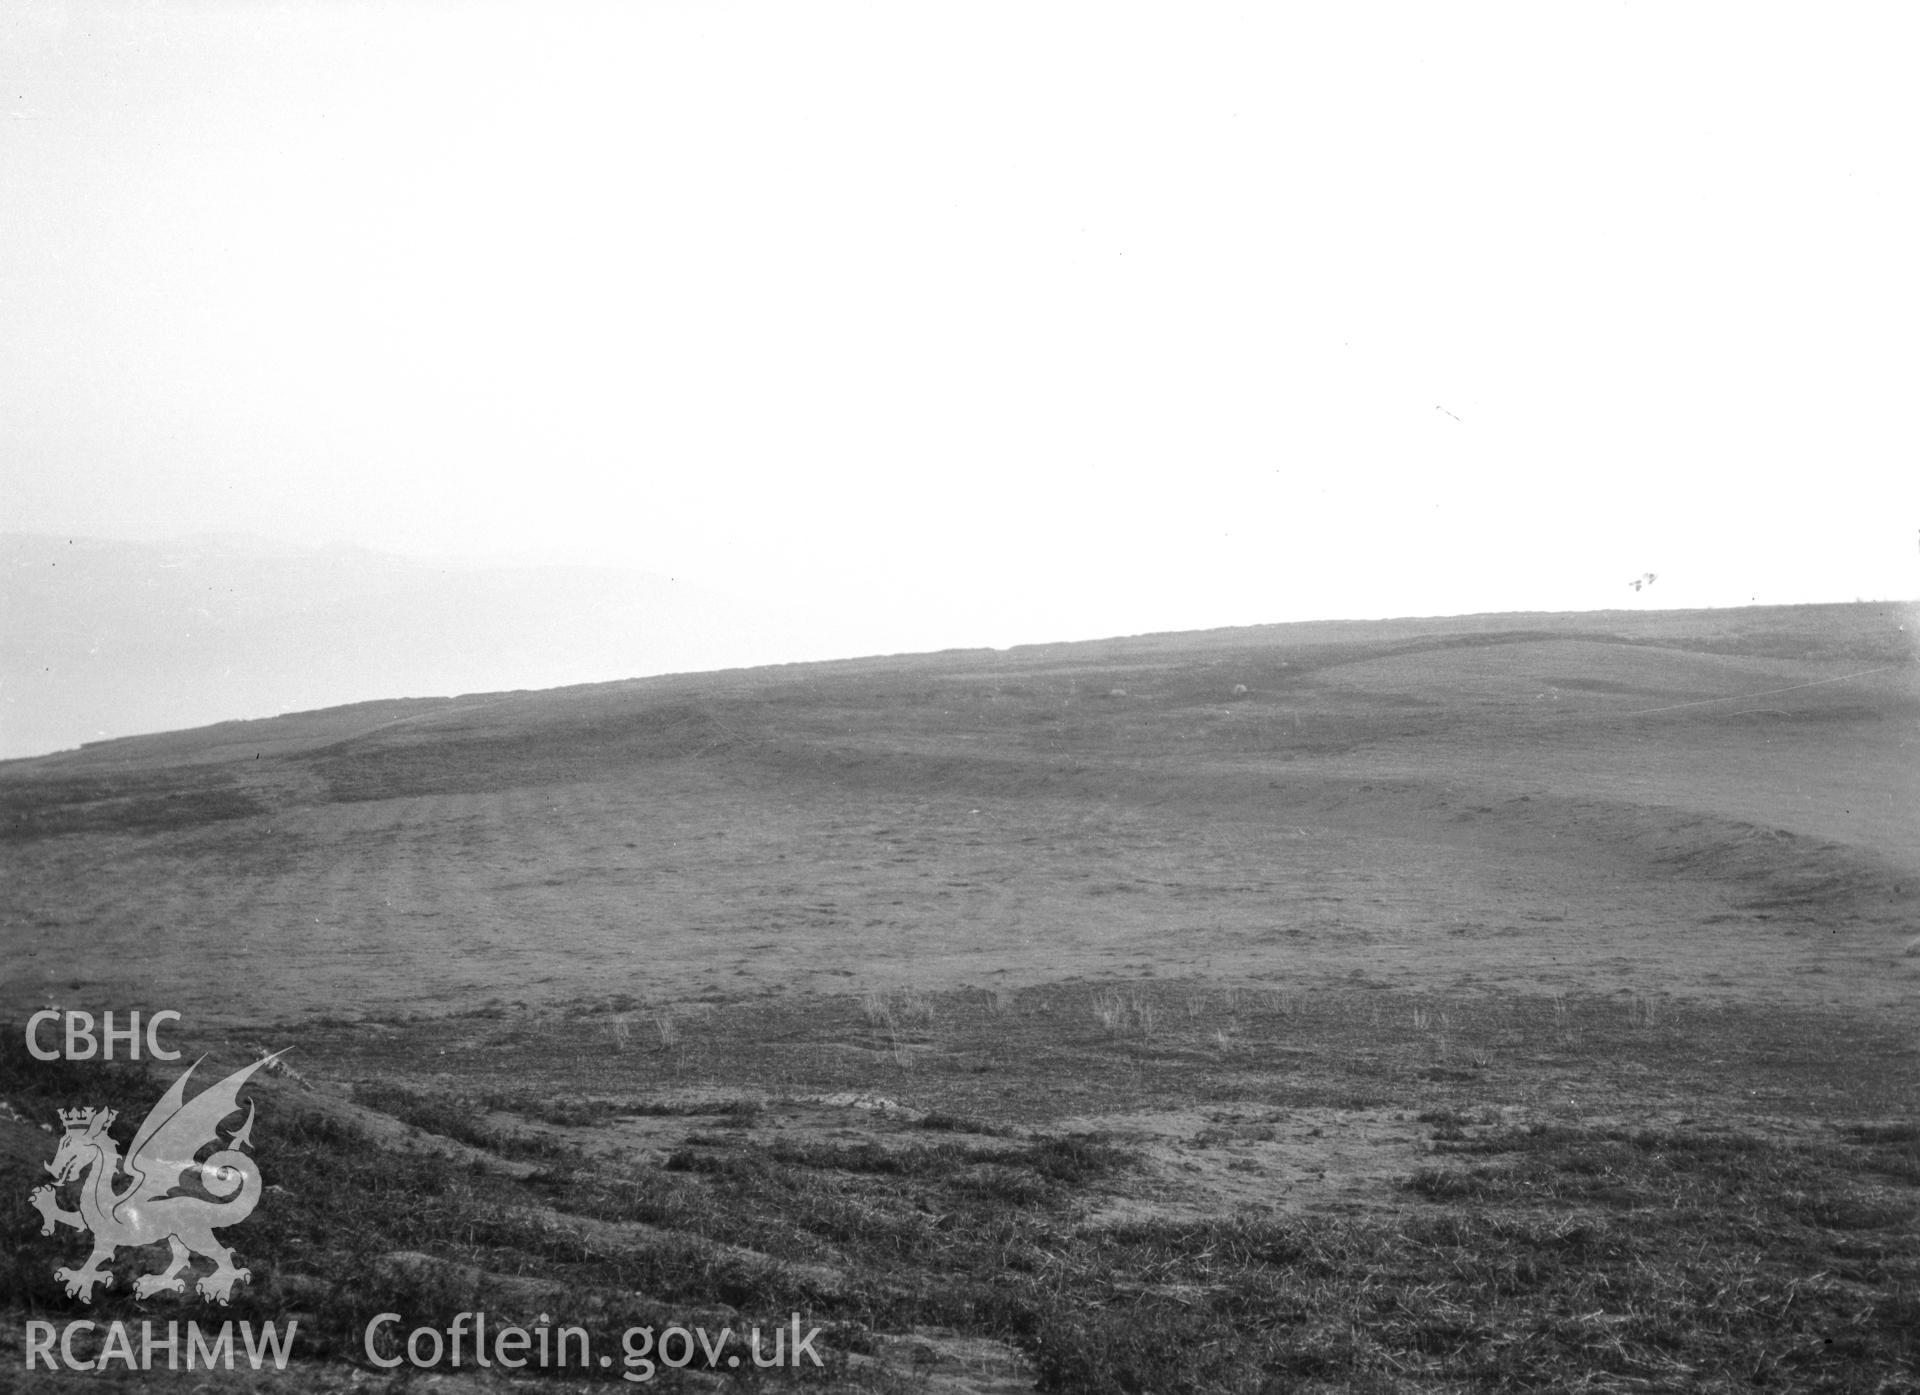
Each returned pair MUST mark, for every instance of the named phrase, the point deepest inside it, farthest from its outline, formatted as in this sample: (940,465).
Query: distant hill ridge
(1605,653)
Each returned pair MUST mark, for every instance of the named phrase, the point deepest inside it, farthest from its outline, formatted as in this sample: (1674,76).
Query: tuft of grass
(913,1009)
(907,1008)
(1122,1013)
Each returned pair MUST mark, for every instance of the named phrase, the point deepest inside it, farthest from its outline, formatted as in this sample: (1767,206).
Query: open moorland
(1510,1002)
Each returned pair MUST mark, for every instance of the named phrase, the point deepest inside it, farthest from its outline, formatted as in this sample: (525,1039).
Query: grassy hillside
(1505,1002)
(1397,800)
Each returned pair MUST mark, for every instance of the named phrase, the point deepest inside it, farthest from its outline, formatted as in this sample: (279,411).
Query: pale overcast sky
(983,323)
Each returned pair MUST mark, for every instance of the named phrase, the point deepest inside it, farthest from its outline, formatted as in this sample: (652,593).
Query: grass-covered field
(1476,1005)
(1210,1191)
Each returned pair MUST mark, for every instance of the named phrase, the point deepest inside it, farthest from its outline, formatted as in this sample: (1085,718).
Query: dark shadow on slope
(140,802)
(399,765)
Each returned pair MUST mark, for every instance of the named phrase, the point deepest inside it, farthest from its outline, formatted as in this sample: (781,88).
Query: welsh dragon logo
(169,1196)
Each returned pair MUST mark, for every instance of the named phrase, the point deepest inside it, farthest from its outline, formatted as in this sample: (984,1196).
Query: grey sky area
(355,350)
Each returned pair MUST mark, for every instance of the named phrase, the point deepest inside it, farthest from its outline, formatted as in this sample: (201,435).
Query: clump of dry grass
(912,1008)
(1565,1030)
(1282,1003)
(902,1053)
(906,1008)
(667,1028)
(1120,1013)
(898,1013)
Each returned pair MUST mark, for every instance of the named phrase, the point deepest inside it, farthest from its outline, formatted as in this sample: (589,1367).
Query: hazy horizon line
(878,656)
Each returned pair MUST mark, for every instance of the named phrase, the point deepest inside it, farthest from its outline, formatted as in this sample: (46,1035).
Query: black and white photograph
(1107,699)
